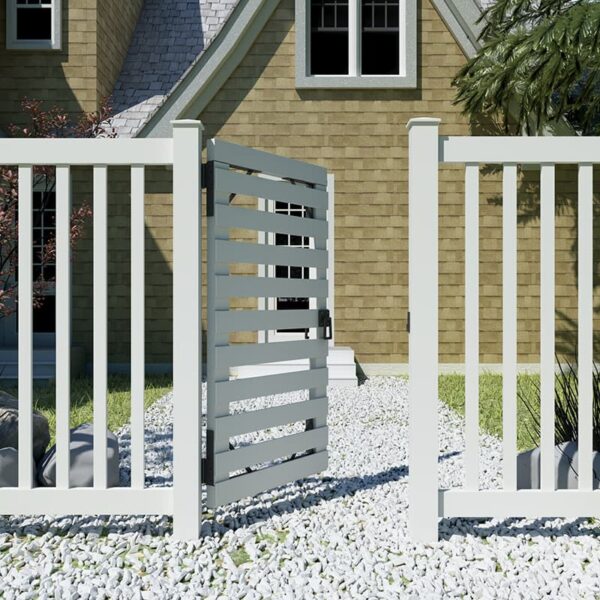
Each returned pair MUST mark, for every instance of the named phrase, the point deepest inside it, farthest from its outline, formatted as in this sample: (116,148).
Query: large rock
(82,460)
(9,426)
(565,468)
(9,467)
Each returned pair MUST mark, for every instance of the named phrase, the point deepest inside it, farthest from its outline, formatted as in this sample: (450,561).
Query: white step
(340,362)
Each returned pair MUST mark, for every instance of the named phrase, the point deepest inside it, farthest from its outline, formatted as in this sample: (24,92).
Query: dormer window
(33,24)
(356,43)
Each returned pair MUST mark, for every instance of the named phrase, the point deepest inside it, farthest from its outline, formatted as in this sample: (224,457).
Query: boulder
(82,460)
(9,426)
(565,468)
(9,467)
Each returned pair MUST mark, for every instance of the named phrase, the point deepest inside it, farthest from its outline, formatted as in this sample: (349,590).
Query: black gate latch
(326,324)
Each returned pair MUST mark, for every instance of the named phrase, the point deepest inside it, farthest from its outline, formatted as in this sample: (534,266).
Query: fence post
(423,157)
(187,329)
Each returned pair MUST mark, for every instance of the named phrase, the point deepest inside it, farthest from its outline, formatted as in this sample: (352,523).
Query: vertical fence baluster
(100,324)
(423,157)
(25,295)
(187,329)
(331,252)
(585,349)
(472,326)
(63,324)
(509,326)
(547,244)
(137,327)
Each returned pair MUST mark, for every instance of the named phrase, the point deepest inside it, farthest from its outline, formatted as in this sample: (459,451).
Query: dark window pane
(329,37)
(281,239)
(34,24)
(379,15)
(392,16)
(367,15)
(44,317)
(282,272)
(296,272)
(342,16)
(381,53)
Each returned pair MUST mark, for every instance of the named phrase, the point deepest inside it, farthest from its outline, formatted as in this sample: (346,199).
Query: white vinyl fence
(182,152)
(427,151)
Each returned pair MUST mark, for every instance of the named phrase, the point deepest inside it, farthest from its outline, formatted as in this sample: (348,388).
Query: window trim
(12,43)
(408,51)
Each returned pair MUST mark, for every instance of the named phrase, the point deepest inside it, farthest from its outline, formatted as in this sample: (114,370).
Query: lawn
(119,399)
(452,392)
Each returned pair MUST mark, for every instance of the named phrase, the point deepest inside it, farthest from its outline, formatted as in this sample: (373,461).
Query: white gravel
(338,535)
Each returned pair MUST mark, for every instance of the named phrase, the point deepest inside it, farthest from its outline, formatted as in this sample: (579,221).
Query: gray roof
(169,37)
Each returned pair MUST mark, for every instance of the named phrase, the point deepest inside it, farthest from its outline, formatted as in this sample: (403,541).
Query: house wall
(95,35)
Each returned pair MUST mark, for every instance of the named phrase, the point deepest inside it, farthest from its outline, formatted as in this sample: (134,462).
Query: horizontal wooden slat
(227,321)
(265,162)
(74,152)
(274,416)
(244,218)
(519,150)
(255,454)
(86,501)
(253,483)
(231,182)
(501,504)
(267,385)
(244,286)
(254,354)
(263,254)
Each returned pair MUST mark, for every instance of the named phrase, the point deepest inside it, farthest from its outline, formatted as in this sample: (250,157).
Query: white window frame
(407,78)
(12,43)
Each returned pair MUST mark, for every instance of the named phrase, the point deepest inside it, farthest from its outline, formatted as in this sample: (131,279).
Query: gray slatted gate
(235,472)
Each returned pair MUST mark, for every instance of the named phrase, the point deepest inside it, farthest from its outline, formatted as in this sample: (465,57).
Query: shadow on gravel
(513,527)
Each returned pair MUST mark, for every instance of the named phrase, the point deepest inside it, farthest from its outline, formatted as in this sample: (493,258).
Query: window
(33,24)
(356,43)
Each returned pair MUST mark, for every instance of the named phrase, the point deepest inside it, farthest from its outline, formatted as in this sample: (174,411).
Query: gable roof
(182,51)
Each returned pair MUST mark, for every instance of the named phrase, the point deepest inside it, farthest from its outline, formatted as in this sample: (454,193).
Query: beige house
(332,82)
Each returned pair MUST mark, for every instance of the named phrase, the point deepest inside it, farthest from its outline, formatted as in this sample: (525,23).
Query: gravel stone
(339,534)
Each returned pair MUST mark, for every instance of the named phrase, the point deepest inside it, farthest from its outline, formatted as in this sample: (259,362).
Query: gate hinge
(207,176)
(326,324)
(408,322)
(208,472)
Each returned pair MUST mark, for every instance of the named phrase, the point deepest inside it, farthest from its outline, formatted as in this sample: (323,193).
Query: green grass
(452,392)
(119,399)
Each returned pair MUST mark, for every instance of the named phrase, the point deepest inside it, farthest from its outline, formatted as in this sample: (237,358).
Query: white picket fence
(427,150)
(183,153)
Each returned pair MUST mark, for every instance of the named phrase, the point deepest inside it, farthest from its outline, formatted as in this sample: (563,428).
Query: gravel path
(341,535)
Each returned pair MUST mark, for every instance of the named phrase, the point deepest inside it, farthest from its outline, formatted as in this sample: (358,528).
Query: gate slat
(268,385)
(585,348)
(275,416)
(509,326)
(138,231)
(265,162)
(63,325)
(257,320)
(244,286)
(231,182)
(472,326)
(255,454)
(100,294)
(25,321)
(254,354)
(253,483)
(240,252)
(547,177)
(244,218)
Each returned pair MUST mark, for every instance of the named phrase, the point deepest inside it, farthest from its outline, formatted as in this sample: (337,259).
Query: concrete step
(44,361)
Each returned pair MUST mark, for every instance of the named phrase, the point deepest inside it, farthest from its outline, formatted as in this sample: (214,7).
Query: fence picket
(137,326)
(509,326)
(63,324)
(472,326)
(100,254)
(25,292)
(547,202)
(585,349)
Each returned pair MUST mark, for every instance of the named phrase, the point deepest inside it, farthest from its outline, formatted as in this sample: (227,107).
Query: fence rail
(427,150)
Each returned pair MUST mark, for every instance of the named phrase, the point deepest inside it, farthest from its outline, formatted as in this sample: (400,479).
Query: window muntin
(329,37)
(33,24)
(380,37)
